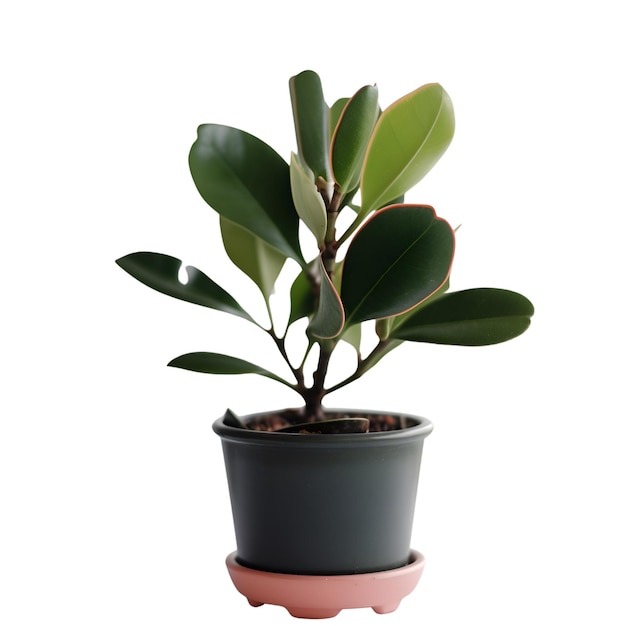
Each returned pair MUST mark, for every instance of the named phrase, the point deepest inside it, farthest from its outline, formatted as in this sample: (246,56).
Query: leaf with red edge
(400,256)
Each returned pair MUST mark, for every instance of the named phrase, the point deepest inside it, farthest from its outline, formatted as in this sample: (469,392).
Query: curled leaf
(307,200)
(328,319)
(310,116)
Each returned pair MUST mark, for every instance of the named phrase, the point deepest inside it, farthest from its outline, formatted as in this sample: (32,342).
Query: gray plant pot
(323,504)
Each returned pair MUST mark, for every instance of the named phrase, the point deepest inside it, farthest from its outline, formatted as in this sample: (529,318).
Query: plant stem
(329,253)
(381,349)
(314,395)
(280,344)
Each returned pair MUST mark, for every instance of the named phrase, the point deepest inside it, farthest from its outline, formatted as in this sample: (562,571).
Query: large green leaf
(310,116)
(247,182)
(351,137)
(161,272)
(214,363)
(474,317)
(328,319)
(398,320)
(307,200)
(398,258)
(409,138)
(252,255)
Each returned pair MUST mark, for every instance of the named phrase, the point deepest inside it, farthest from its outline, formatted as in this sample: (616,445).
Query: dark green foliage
(390,264)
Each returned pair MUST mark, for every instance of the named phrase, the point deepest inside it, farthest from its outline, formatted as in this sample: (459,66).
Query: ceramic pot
(318,504)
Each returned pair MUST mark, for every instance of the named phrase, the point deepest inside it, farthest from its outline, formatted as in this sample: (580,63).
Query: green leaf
(409,138)
(352,335)
(247,182)
(214,363)
(328,319)
(252,255)
(307,200)
(351,137)
(161,273)
(335,113)
(302,298)
(475,317)
(398,258)
(310,116)
(398,320)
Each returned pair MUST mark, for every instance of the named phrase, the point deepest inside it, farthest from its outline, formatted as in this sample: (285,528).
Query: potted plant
(321,495)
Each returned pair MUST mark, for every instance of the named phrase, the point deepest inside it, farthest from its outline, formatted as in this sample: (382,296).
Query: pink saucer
(325,596)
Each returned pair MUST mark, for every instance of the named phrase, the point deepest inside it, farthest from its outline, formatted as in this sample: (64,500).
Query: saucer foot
(320,597)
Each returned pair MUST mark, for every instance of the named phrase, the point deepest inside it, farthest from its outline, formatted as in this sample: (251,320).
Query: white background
(113,505)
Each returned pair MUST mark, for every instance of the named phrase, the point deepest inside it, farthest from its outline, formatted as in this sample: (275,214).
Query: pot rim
(421,428)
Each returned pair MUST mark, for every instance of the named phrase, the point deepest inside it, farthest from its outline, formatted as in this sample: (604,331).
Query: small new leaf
(310,116)
(351,137)
(307,200)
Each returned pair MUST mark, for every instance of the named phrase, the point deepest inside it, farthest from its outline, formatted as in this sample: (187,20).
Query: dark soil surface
(292,417)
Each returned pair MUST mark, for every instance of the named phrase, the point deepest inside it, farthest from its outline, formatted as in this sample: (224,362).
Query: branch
(382,348)
(280,344)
